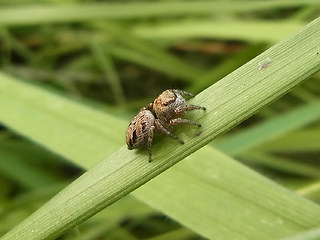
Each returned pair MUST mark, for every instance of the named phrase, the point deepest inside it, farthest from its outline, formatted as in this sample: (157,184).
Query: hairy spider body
(170,106)
(167,110)
(140,129)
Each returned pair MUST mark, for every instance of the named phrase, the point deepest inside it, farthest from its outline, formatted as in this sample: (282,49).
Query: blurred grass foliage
(116,57)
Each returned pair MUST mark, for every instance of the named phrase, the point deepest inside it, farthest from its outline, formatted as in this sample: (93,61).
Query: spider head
(164,106)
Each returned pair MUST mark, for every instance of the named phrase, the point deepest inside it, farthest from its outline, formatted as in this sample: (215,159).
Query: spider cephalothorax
(165,111)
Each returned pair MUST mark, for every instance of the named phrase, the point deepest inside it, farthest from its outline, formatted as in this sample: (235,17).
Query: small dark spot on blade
(199,133)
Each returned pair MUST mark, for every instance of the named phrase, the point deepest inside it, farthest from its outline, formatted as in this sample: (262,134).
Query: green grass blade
(179,234)
(313,234)
(220,71)
(270,31)
(300,141)
(124,36)
(152,62)
(267,131)
(284,164)
(67,13)
(14,166)
(223,189)
(230,101)
(309,190)
(63,117)
(106,64)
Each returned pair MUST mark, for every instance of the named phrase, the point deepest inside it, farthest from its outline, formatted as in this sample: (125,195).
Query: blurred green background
(117,56)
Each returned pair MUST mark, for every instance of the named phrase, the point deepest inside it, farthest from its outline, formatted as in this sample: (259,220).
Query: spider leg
(148,107)
(162,129)
(182,92)
(187,107)
(178,121)
(150,138)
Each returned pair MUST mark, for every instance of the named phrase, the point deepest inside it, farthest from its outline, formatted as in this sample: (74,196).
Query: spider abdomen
(138,130)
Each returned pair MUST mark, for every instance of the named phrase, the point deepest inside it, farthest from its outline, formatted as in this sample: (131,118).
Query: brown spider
(159,116)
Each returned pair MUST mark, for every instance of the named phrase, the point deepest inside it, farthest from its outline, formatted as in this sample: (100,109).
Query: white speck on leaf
(279,220)
(264,64)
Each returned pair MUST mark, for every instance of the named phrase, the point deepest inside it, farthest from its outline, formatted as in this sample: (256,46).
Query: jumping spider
(159,116)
